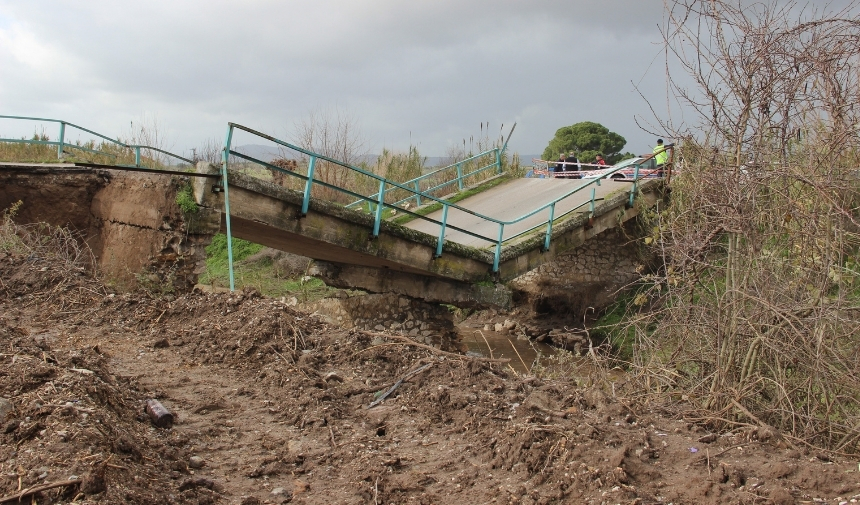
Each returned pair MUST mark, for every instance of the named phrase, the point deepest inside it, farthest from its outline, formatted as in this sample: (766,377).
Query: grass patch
(108,153)
(261,274)
(615,326)
(185,201)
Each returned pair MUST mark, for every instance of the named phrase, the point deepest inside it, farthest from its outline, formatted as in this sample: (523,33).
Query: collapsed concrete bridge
(133,224)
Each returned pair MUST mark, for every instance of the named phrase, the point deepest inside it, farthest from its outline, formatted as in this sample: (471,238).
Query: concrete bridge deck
(511,200)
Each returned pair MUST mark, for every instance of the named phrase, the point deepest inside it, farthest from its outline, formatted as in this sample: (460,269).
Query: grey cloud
(433,68)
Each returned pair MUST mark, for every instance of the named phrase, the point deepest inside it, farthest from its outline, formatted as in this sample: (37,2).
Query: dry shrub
(41,242)
(758,301)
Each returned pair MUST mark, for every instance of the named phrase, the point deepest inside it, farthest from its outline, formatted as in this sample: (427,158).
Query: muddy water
(522,353)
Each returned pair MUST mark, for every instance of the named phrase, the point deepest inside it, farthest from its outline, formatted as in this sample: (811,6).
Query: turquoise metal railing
(384,185)
(458,179)
(62,144)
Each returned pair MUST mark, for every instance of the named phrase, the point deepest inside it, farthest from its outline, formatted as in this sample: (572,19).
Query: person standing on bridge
(660,154)
(571,164)
(560,166)
(599,160)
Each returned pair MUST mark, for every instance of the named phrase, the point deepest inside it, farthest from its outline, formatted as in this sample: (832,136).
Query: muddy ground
(271,406)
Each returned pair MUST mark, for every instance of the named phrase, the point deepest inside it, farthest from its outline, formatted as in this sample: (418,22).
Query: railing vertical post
(498,161)
(460,176)
(417,194)
(62,139)
(137,156)
(498,253)
(546,239)
(442,230)
(308,185)
(225,156)
(379,206)
(591,206)
(635,183)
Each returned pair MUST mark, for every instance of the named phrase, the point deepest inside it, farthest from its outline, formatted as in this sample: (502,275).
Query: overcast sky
(426,72)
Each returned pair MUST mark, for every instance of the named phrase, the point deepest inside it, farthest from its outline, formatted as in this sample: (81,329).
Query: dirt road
(271,406)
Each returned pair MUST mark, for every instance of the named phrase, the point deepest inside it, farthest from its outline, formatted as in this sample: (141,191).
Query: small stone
(780,496)
(278,491)
(333,376)
(5,408)
(300,486)
(196,462)
(161,343)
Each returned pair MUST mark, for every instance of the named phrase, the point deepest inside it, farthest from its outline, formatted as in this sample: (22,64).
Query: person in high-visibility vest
(661,156)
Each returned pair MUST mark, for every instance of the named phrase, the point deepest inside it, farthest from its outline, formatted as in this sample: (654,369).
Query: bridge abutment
(130,221)
(587,279)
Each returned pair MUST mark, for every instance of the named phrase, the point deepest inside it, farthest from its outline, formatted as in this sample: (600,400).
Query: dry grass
(41,242)
(757,306)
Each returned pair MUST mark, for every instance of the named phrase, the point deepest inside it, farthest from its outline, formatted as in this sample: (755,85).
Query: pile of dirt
(273,406)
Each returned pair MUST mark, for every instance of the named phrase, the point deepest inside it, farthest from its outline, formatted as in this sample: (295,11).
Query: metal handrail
(61,144)
(416,182)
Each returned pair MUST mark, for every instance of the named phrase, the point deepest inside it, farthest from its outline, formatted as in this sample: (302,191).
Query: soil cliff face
(61,197)
(140,234)
(131,221)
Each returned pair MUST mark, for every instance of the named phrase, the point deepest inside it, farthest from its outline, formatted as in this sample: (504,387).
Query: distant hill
(265,153)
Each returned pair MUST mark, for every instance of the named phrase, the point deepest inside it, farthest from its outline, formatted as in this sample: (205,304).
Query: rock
(780,496)
(5,408)
(11,426)
(201,482)
(499,327)
(196,462)
(278,491)
(300,486)
(94,482)
(161,343)
(333,376)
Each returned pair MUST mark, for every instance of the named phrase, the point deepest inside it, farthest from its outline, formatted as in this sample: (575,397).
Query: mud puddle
(492,344)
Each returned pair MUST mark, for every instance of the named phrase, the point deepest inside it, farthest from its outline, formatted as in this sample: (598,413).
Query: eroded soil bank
(271,407)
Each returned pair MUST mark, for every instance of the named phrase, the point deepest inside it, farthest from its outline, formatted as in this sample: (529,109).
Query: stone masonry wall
(424,322)
(588,278)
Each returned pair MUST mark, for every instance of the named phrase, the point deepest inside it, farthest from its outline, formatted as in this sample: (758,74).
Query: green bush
(185,201)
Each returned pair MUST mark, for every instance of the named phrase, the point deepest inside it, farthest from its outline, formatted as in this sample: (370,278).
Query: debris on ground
(269,405)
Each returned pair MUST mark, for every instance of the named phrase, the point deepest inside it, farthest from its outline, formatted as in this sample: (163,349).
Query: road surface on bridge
(511,200)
